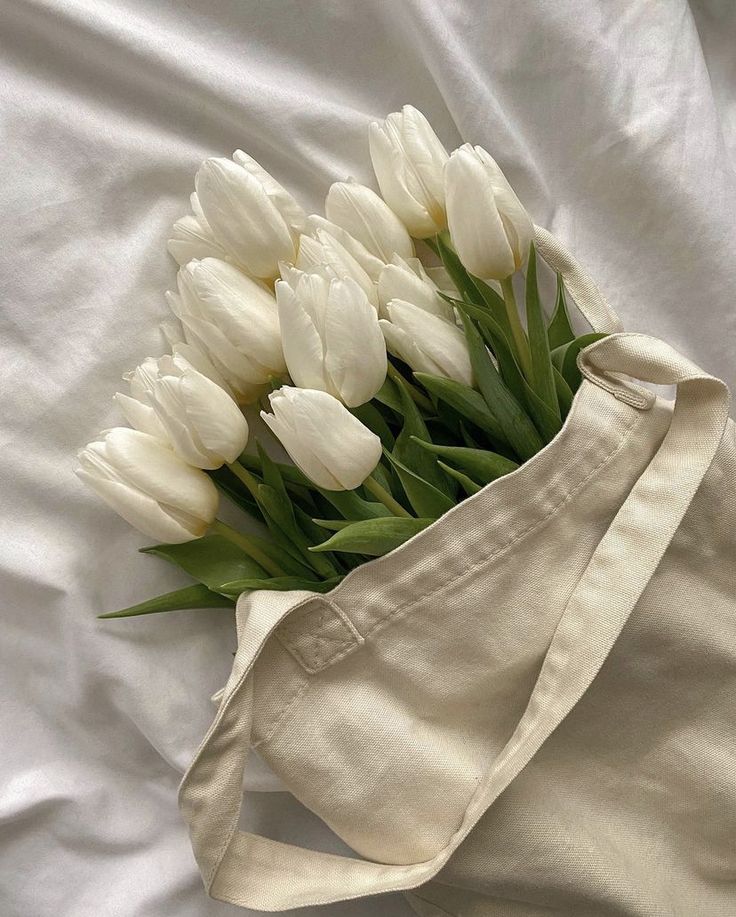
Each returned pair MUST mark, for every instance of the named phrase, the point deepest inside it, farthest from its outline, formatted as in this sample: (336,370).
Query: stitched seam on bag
(294,642)
(273,726)
(404,609)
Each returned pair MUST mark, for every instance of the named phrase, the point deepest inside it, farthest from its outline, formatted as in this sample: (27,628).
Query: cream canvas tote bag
(530,707)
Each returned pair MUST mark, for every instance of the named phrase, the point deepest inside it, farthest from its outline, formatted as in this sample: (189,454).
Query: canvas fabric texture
(528,708)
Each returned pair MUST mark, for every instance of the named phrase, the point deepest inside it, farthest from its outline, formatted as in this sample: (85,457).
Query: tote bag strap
(588,298)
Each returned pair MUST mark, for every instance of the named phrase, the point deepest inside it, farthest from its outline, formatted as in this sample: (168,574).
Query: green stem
(383,496)
(517,329)
(245,477)
(417,397)
(247,545)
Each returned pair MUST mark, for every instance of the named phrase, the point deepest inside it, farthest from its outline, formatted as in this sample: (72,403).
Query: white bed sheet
(615,121)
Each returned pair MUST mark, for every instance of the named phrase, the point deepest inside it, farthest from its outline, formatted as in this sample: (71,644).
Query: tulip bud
(234,320)
(149,486)
(199,420)
(427,343)
(489,227)
(250,214)
(331,337)
(325,441)
(370,264)
(192,237)
(363,214)
(409,160)
(407,280)
(325,250)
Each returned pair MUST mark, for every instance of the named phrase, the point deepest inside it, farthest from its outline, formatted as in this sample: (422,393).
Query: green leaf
(516,425)
(425,499)
(459,276)
(559,330)
(564,392)
(236,491)
(468,485)
(279,511)
(198,596)
(409,454)
(332,525)
(466,401)
(213,560)
(480,465)
(498,341)
(354,507)
(565,357)
(280,584)
(289,473)
(546,421)
(374,536)
(388,394)
(542,380)
(369,415)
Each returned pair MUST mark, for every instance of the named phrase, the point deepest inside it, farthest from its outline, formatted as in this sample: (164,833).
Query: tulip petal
(300,339)
(369,219)
(355,351)
(142,462)
(139,510)
(370,264)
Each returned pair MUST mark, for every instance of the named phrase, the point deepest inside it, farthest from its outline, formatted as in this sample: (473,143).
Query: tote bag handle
(256,872)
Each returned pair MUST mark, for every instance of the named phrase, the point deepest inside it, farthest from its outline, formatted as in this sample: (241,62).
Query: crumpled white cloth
(616,123)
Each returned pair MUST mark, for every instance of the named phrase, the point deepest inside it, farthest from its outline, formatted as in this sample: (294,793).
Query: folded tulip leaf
(542,380)
(352,506)
(518,428)
(280,514)
(197,596)
(387,394)
(280,584)
(564,392)
(374,537)
(565,357)
(409,454)
(480,465)
(425,499)
(468,485)
(465,401)
(499,343)
(546,421)
(559,330)
(213,560)
(332,525)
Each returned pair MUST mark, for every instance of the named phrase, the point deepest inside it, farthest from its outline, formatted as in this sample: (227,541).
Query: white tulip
(250,214)
(234,320)
(407,280)
(427,343)
(149,486)
(331,337)
(192,353)
(192,237)
(409,160)
(199,420)
(325,251)
(324,440)
(370,264)
(369,219)
(490,229)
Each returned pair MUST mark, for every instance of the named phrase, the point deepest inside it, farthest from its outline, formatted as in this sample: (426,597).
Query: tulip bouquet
(398,385)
